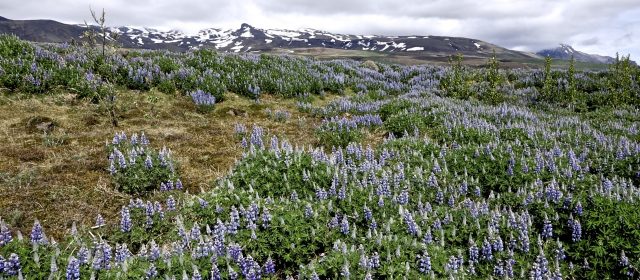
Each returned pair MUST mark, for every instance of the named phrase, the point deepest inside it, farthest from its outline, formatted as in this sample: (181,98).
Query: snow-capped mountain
(251,39)
(565,52)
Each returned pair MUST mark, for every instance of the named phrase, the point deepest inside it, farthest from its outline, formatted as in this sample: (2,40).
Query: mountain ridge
(567,52)
(248,38)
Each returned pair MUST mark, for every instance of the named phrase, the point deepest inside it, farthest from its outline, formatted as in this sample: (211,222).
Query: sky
(594,26)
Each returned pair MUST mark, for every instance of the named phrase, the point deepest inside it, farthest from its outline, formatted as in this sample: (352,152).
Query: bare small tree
(102,33)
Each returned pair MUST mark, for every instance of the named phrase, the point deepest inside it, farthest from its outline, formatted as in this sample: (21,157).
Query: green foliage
(264,173)
(492,93)
(456,83)
(393,107)
(548,92)
(609,228)
(330,135)
(623,82)
(572,91)
(167,86)
(137,169)
(405,122)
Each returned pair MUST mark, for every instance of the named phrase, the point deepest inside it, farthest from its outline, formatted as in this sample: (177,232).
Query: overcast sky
(595,26)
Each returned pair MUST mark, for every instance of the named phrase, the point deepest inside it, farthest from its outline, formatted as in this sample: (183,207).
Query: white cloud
(603,27)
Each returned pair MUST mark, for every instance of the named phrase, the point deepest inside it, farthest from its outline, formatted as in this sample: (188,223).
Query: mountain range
(566,52)
(251,39)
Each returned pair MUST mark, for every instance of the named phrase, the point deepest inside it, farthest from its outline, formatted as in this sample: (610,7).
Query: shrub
(407,122)
(338,132)
(138,169)
(204,101)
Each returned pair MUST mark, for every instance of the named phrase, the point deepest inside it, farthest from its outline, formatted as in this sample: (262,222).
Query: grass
(58,175)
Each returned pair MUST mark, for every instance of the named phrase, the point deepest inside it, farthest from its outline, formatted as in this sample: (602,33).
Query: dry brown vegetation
(53,160)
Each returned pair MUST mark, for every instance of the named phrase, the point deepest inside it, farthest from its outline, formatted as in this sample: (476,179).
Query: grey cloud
(590,42)
(523,24)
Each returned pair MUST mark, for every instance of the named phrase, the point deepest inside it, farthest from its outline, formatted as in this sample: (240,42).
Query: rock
(231,113)
(40,124)
(46,126)
(371,65)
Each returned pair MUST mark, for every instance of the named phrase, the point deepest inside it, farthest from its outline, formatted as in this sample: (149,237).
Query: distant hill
(251,39)
(565,52)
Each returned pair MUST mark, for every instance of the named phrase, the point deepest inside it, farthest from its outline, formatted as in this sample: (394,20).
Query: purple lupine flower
(464,187)
(73,269)
(437,224)
(158,209)
(374,261)
(122,162)
(433,181)
(367,213)
(321,194)
(451,202)
(196,274)
(345,270)
(578,209)
(102,257)
(195,232)
(373,225)
(509,263)
(498,269)
(83,255)
(178,184)
(342,193)
(524,241)
(473,252)
(547,228)
(559,251)
(344,225)
(452,265)
(314,276)
(12,265)
(540,268)
(497,245)
(122,253)
(266,218)
(148,163)
(269,267)
(364,260)
(624,260)
(37,233)
(203,203)
(125,220)
(151,272)
(424,263)
(403,198)
(143,139)
(5,234)
(428,237)
(487,250)
(112,167)
(576,230)
(308,212)
(99,221)
(202,98)
(171,203)
(412,227)
(234,251)
(215,273)
(154,251)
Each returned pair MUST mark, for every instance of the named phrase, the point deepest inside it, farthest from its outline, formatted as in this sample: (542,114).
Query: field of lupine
(343,170)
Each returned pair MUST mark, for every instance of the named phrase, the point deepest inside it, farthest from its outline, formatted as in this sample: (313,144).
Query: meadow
(206,165)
